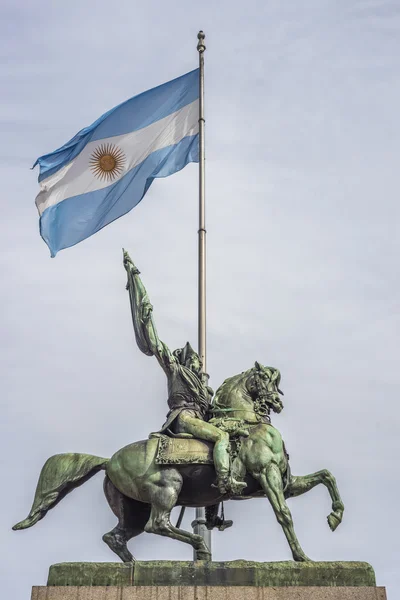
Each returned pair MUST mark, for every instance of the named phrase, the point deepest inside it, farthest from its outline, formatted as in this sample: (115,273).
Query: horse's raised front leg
(299,485)
(271,482)
(163,493)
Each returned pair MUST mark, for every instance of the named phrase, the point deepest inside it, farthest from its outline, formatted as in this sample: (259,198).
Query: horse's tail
(60,475)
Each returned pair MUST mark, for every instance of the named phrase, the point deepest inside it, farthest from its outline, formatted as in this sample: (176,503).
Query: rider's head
(189,358)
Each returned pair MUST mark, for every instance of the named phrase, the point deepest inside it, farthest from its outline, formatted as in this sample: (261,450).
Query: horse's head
(263,386)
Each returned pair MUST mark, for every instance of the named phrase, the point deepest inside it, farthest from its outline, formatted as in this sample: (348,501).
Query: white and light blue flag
(106,169)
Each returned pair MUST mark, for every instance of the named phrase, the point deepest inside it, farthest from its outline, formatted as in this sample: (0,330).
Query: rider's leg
(210,433)
(300,485)
(271,481)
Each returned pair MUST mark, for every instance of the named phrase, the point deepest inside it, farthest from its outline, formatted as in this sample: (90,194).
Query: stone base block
(202,573)
(201,580)
(207,593)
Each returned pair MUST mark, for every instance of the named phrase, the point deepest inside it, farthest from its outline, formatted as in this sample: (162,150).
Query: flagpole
(199,526)
(202,217)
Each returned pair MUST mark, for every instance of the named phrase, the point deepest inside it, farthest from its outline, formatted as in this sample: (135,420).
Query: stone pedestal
(207,593)
(235,580)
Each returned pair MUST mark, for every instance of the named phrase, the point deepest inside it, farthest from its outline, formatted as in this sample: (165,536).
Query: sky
(302,145)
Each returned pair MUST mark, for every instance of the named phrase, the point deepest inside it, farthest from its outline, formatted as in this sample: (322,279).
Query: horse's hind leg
(271,482)
(163,495)
(132,517)
(300,485)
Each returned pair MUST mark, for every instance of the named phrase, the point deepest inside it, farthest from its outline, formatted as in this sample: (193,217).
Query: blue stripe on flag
(75,219)
(131,115)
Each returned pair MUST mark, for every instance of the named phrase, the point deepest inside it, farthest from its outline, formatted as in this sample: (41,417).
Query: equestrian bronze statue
(210,449)
(189,396)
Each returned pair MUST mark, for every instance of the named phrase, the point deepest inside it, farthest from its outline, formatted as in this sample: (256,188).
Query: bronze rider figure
(189,395)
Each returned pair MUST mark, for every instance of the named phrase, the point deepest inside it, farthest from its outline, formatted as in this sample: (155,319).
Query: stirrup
(219,523)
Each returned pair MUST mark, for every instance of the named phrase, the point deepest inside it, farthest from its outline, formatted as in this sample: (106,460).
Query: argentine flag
(106,169)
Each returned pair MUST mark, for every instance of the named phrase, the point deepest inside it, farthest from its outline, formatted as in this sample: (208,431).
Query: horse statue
(207,451)
(143,483)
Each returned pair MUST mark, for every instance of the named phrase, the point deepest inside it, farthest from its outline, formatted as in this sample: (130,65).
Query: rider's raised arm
(142,316)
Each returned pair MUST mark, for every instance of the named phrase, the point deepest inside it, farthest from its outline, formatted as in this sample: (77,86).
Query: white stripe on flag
(77,177)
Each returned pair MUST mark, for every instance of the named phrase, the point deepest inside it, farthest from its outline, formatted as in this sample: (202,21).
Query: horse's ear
(258,366)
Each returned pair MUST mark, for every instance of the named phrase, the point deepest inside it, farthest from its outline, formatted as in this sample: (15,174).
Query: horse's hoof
(119,548)
(302,558)
(203,555)
(334,520)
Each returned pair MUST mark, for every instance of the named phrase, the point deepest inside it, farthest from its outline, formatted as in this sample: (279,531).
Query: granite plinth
(213,574)
(207,593)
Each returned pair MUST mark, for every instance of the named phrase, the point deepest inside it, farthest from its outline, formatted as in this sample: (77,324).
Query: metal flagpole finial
(201,45)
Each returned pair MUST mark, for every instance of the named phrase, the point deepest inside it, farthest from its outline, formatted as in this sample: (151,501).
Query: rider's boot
(236,487)
(223,484)
(229,485)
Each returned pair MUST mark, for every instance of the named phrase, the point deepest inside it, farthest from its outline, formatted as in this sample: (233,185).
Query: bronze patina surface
(181,451)
(147,479)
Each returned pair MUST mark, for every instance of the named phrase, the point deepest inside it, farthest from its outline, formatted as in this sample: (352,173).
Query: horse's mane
(228,383)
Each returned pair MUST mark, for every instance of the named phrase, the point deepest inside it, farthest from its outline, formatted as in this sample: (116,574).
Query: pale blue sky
(303,131)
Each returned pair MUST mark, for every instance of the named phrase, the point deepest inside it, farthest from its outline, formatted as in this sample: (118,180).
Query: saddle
(183,451)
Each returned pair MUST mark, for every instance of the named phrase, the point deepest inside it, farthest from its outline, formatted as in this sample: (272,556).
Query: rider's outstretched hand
(128,262)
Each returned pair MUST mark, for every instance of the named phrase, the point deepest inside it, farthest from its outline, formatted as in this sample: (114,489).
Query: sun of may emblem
(107,162)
